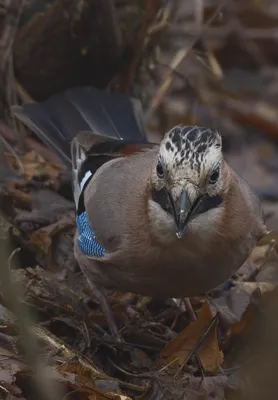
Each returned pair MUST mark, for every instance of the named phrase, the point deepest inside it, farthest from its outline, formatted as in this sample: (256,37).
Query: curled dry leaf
(179,348)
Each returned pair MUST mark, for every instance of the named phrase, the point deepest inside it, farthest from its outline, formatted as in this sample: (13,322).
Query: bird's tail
(59,119)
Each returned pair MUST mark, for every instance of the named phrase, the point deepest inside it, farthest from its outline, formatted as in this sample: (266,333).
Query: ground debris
(216,67)
(198,338)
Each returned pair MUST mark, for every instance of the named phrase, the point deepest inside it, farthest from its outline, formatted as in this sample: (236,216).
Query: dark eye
(214,176)
(159,170)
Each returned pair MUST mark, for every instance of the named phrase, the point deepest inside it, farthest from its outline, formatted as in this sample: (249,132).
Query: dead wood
(71,43)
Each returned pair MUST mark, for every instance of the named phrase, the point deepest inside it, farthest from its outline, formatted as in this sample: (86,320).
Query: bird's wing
(57,120)
(86,127)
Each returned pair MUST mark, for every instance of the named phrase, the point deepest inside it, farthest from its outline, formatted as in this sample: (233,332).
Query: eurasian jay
(168,220)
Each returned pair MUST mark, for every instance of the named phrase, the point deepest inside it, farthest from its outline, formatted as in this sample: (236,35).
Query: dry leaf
(35,165)
(260,292)
(41,240)
(84,376)
(243,326)
(9,367)
(19,198)
(182,345)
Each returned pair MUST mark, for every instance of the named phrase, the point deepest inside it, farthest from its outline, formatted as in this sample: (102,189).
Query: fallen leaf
(241,327)
(35,166)
(9,367)
(261,295)
(86,378)
(41,240)
(245,324)
(18,198)
(179,348)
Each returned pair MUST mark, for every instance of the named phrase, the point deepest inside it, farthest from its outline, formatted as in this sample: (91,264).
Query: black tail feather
(57,120)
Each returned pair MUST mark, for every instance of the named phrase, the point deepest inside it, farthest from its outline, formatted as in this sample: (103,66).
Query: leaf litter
(164,352)
(165,355)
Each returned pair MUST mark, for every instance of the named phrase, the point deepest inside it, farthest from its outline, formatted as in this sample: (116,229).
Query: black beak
(184,211)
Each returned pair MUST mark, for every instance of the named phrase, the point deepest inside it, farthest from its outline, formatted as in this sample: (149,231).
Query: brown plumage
(174,220)
(144,254)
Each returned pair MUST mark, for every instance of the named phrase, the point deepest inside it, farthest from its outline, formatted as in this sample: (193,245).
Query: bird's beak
(184,210)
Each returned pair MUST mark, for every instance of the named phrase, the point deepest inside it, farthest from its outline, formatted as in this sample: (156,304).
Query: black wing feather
(58,120)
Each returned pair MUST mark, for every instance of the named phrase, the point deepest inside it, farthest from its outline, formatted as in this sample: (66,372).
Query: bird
(166,220)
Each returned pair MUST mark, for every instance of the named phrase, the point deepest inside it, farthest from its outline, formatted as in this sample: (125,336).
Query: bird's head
(187,177)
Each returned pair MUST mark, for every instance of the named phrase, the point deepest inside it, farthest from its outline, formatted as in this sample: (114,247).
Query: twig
(22,93)
(165,15)
(198,345)
(151,9)
(13,13)
(17,250)
(226,31)
(9,147)
(144,375)
(168,365)
(70,393)
(175,63)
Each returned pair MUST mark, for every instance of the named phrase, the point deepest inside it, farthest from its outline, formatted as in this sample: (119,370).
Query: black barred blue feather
(86,239)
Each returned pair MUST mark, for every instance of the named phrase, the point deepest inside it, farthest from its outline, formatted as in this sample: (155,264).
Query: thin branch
(176,61)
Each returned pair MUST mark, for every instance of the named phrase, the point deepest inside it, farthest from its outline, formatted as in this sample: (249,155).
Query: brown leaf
(182,345)
(260,293)
(84,376)
(41,240)
(243,326)
(36,166)
(18,198)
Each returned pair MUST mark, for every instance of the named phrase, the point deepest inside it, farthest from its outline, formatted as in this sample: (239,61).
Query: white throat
(162,224)
(164,228)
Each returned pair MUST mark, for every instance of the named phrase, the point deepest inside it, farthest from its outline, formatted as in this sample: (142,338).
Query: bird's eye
(214,176)
(159,170)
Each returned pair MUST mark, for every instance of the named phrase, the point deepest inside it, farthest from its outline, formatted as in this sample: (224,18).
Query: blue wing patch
(86,239)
